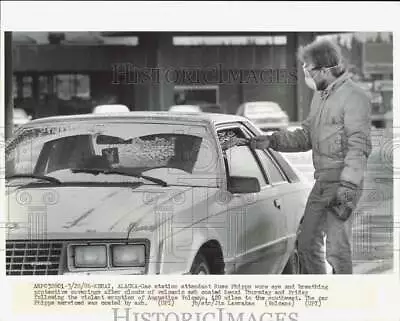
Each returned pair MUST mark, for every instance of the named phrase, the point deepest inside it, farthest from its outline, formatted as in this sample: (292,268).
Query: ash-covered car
(149,193)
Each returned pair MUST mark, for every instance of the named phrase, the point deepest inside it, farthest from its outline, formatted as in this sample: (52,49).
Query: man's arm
(286,141)
(298,140)
(357,128)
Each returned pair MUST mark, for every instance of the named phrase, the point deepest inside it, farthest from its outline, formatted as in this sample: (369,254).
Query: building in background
(370,58)
(70,73)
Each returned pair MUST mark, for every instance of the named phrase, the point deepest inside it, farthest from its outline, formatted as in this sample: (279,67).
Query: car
(211,108)
(389,116)
(388,119)
(149,193)
(20,117)
(197,108)
(111,108)
(377,110)
(267,115)
(185,109)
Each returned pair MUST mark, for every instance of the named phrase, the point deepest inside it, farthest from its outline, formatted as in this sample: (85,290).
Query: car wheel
(293,265)
(200,265)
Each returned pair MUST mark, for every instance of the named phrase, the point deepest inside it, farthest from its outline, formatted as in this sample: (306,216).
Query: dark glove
(343,204)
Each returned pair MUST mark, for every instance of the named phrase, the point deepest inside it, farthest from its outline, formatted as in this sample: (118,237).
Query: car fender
(180,249)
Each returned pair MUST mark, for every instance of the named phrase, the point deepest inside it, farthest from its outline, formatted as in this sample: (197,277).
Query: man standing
(338,132)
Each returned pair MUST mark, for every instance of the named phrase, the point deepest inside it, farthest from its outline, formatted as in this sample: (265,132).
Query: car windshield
(114,152)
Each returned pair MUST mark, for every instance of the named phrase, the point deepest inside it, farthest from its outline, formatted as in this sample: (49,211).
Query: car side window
(239,160)
(290,173)
(275,174)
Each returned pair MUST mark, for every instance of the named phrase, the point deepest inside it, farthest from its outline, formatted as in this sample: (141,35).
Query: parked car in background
(111,108)
(377,110)
(211,108)
(20,117)
(389,116)
(149,193)
(267,115)
(198,108)
(185,109)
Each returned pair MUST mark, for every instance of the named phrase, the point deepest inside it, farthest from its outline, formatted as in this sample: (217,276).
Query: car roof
(161,116)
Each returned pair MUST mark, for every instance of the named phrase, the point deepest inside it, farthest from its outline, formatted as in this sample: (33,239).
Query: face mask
(310,83)
(309,80)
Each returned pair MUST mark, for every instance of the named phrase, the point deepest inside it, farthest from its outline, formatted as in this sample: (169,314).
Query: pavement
(373,267)
(373,222)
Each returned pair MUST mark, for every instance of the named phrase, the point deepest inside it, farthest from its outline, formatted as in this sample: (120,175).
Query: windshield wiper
(118,172)
(42,177)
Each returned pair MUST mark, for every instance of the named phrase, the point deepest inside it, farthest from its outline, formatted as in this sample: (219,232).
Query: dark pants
(321,223)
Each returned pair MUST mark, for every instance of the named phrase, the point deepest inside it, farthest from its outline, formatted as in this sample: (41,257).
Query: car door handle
(277,204)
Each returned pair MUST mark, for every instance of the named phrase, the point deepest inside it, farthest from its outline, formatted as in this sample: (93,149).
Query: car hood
(68,212)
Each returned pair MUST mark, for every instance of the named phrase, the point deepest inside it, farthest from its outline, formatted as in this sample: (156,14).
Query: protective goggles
(307,68)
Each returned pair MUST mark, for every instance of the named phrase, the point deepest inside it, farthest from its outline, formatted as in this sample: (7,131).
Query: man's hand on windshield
(260,142)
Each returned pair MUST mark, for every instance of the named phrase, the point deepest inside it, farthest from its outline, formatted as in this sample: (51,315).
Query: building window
(230,41)
(186,95)
(15,88)
(45,87)
(27,87)
(68,87)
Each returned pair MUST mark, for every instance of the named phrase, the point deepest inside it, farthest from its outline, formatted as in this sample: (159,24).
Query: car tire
(200,265)
(293,265)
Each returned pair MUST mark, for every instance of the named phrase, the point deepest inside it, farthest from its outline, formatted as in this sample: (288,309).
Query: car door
(255,223)
(292,193)
(280,184)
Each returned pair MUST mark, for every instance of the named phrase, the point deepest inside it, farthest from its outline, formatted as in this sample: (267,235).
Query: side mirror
(243,185)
